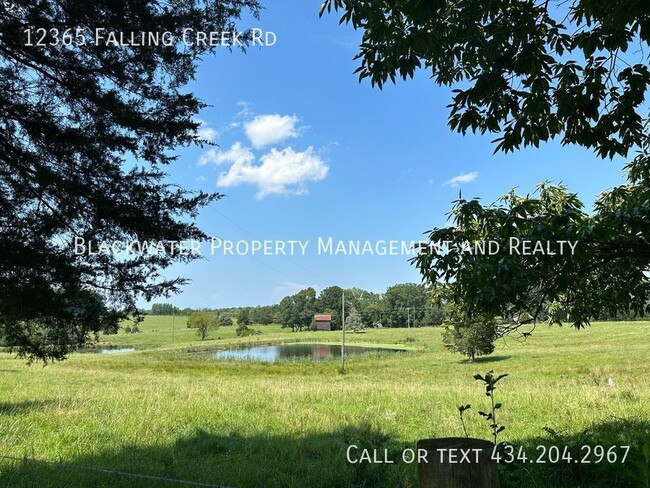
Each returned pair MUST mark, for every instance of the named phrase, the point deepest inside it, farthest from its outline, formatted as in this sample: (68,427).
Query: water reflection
(115,351)
(290,351)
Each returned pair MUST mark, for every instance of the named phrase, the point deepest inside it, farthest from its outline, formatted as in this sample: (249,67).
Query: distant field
(171,412)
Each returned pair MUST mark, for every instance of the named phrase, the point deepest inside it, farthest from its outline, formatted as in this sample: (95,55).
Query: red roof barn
(323,322)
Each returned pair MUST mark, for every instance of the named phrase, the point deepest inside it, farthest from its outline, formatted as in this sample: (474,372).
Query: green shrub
(245,331)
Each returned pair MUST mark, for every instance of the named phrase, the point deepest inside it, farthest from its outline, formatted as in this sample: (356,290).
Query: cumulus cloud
(206,132)
(277,172)
(208,157)
(238,154)
(280,170)
(462,178)
(271,129)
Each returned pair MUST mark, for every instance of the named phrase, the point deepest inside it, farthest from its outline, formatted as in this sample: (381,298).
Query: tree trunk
(456,462)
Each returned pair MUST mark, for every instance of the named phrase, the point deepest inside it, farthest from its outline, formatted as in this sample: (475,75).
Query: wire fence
(111,472)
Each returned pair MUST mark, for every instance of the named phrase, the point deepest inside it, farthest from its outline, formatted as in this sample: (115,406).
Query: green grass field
(168,410)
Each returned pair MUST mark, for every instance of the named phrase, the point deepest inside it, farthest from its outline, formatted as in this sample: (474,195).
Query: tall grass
(167,411)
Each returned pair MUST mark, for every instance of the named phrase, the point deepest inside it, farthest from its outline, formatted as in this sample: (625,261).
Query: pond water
(115,351)
(289,351)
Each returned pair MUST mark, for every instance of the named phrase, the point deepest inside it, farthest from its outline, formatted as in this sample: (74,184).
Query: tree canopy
(529,72)
(525,70)
(329,302)
(405,304)
(297,311)
(470,337)
(243,316)
(85,133)
(204,322)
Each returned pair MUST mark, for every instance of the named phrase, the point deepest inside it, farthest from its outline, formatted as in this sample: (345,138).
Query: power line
(237,224)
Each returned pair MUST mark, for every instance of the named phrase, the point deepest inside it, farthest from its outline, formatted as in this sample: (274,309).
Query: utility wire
(237,224)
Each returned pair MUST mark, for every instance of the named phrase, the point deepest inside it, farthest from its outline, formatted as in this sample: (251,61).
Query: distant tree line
(400,305)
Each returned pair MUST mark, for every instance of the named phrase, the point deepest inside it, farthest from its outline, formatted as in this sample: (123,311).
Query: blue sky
(304,150)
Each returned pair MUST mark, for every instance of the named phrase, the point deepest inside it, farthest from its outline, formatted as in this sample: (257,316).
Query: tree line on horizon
(401,305)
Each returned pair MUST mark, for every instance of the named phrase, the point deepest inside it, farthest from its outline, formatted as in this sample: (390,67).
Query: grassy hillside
(167,410)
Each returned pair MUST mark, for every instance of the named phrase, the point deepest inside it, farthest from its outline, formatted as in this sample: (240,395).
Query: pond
(115,351)
(292,351)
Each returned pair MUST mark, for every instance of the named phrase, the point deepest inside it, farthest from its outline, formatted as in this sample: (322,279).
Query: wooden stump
(457,462)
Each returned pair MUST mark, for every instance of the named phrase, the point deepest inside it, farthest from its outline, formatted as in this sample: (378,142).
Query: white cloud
(278,172)
(206,132)
(245,109)
(208,157)
(271,129)
(236,155)
(462,178)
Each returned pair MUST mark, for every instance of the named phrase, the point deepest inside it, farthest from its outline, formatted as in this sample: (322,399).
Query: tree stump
(456,462)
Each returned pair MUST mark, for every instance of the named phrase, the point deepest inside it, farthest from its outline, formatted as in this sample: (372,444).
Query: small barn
(323,322)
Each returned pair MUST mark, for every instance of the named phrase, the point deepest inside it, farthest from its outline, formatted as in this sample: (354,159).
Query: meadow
(168,410)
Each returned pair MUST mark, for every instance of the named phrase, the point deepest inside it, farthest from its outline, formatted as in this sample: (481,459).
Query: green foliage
(526,71)
(164,309)
(471,336)
(265,314)
(245,331)
(353,321)
(433,315)
(371,306)
(461,411)
(405,302)
(606,273)
(262,315)
(329,302)
(54,336)
(169,309)
(490,382)
(529,72)
(243,316)
(85,134)
(203,322)
(225,320)
(297,311)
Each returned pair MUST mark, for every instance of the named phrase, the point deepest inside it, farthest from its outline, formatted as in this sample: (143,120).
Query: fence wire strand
(110,471)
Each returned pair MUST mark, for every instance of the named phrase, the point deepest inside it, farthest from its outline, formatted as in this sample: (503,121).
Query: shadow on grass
(485,359)
(228,459)
(18,408)
(581,463)
(319,460)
